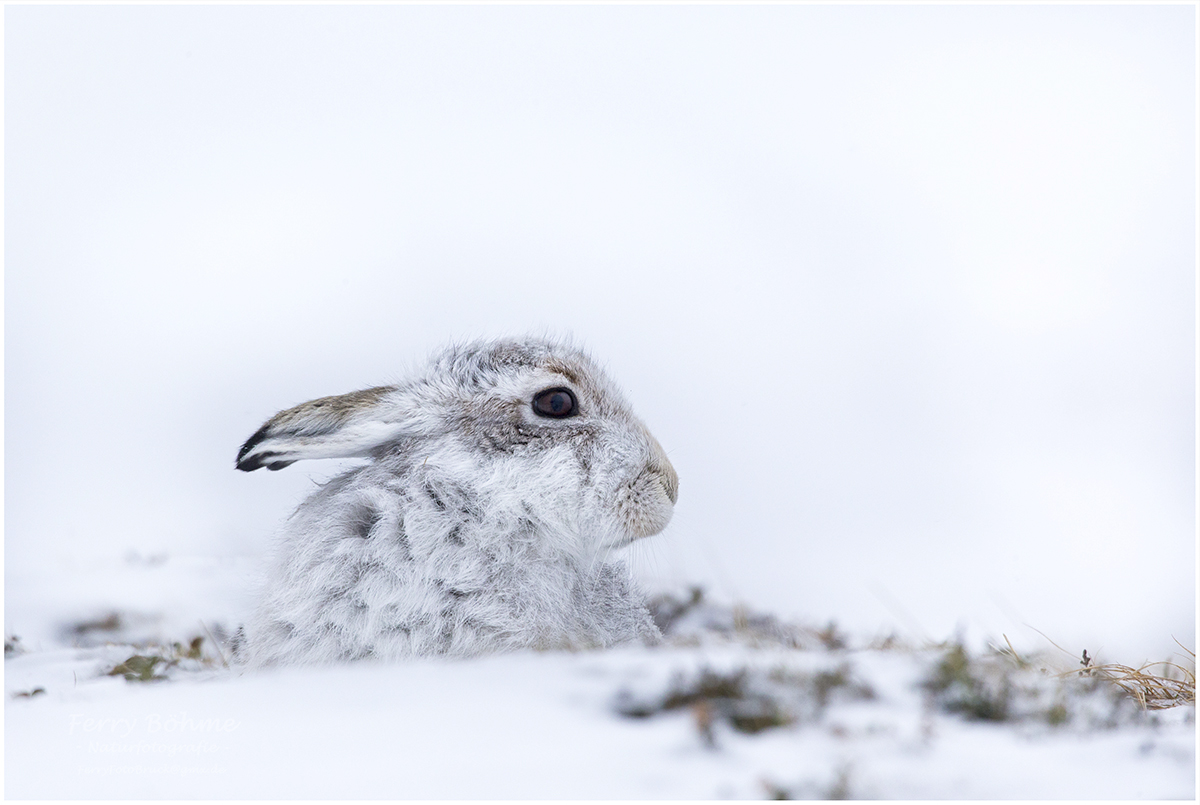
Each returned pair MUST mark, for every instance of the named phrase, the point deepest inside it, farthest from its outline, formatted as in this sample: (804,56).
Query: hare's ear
(332,427)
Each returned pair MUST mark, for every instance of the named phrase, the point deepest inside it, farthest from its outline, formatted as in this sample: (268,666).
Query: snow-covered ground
(734,704)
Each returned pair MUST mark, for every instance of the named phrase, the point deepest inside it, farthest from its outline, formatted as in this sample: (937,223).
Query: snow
(544,724)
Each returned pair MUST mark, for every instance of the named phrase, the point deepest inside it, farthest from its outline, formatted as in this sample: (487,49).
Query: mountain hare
(501,478)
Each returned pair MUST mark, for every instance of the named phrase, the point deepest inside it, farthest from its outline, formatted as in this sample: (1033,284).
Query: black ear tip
(263,460)
(254,462)
(248,465)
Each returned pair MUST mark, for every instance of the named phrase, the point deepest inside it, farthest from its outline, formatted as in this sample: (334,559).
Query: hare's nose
(662,465)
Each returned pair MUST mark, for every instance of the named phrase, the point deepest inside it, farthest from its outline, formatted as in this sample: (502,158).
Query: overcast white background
(906,293)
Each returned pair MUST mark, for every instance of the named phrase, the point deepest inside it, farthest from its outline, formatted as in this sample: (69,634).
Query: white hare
(501,478)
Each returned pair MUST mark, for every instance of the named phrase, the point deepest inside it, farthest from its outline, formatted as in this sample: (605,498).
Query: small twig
(1056,645)
(216,645)
(1017,658)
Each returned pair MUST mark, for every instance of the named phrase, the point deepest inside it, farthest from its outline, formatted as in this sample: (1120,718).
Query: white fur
(477,526)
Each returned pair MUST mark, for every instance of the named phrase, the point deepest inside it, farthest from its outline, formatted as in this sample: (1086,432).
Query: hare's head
(534,424)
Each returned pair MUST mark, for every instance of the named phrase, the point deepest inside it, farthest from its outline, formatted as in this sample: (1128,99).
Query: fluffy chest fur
(399,564)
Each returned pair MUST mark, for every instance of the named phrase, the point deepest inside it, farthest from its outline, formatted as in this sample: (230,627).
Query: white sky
(906,293)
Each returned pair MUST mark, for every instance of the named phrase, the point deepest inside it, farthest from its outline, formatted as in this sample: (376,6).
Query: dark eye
(557,403)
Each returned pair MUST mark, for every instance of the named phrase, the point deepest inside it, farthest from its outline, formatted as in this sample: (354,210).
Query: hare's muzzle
(649,499)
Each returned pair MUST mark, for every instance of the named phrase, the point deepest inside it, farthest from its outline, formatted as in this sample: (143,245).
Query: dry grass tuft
(1151,691)
(1175,685)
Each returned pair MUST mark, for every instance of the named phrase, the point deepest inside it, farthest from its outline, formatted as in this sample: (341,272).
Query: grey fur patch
(363,520)
(433,495)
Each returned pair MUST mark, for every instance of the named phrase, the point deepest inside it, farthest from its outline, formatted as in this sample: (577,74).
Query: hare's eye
(557,403)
